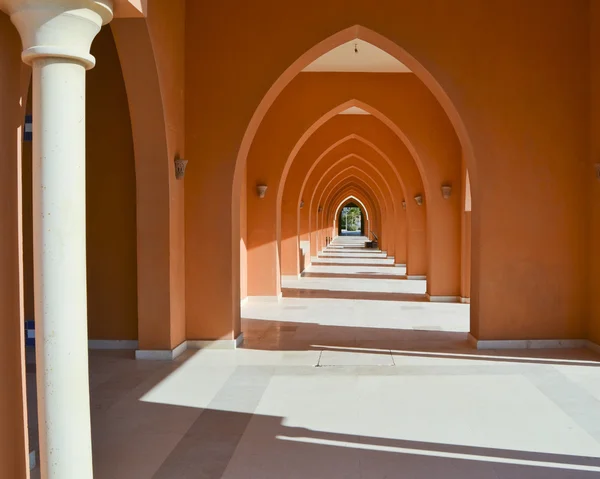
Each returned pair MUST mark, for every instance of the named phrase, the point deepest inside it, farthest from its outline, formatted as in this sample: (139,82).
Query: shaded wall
(243,241)
(594,183)
(13,414)
(111,197)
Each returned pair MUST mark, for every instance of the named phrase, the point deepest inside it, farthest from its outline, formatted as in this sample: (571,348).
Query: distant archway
(350,221)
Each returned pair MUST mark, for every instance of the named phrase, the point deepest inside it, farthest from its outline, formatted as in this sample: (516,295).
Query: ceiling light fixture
(356,48)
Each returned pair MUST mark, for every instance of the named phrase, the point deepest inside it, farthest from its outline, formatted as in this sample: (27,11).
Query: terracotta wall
(243,242)
(166,22)
(13,414)
(507,86)
(594,198)
(111,193)
(111,202)
(151,52)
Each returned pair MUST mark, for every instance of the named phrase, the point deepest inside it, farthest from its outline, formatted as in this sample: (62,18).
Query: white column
(56,37)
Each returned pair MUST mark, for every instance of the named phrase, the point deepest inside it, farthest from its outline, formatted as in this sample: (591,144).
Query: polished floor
(348,388)
(347,270)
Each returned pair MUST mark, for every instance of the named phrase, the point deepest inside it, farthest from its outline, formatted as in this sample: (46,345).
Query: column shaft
(60,268)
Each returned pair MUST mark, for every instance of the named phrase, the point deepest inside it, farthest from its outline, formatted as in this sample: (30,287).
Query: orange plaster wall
(111,197)
(243,242)
(152,52)
(594,198)
(14,448)
(507,96)
(166,22)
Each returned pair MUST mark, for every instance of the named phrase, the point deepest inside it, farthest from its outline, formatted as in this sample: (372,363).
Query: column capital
(58,28)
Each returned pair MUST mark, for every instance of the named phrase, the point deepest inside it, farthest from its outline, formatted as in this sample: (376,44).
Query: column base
(465,300)
(416,277)
(532,344)
(442,299)
(400,265)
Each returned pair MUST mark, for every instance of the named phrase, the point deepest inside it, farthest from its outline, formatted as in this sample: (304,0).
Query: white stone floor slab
(349,260)
(357,284)
(359,269)
(353,254)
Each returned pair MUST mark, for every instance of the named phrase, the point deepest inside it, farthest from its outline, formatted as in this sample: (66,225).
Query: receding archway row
(487,119)
(416,110)
(369,157)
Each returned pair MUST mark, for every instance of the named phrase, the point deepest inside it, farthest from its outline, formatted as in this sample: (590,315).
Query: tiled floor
(334,388)
(343,271)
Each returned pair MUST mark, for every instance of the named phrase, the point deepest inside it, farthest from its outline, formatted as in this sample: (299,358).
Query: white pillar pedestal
(56,39)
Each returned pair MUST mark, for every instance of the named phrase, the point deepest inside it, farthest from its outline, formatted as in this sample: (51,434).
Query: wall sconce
(301,203)
(419,200)
(403,204)
(320,209)
(446,191)
(180,165)
(261,190)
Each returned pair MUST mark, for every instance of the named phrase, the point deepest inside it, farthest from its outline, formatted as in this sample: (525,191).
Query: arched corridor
(318,240)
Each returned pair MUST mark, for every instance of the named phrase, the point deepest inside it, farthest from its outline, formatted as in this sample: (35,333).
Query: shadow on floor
(374,275)
(269,335)
(214,448)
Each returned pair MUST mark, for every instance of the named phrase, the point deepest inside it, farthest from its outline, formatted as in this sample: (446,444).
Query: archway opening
(404,202)
(350,221)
